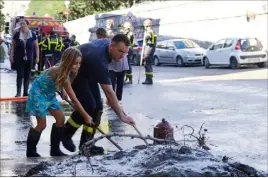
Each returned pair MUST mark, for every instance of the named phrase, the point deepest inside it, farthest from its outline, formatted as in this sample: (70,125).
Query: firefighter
(67,42)
(127,30)
(50,44)
(101,33)
(73,41)
(59,49)
(109,27)
(43,49)
(149,49)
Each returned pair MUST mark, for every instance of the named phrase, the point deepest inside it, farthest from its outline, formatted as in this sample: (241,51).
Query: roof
(177,39)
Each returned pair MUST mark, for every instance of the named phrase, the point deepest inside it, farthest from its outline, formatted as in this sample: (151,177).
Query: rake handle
(115,144)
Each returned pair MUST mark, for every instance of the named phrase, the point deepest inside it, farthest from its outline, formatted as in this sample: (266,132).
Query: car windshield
(185,44)
(140,42)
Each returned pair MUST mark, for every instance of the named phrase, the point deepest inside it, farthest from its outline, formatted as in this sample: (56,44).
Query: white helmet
(148,23)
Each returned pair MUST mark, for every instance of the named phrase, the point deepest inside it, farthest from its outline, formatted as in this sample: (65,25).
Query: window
(140,43)
(170,45)
(250,44)
(186,44)
(161,45)
(218,45)
(228,43)
(179,44)
(191,44)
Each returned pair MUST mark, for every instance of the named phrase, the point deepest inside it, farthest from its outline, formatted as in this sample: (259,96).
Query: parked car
(178,51)
(235,52)
(137,52)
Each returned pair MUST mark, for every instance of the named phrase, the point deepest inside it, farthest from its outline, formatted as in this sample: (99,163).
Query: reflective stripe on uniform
(149,73)
(52,42)
(59,46)
(128,74)
(88,129)
(153,37)
(72,123)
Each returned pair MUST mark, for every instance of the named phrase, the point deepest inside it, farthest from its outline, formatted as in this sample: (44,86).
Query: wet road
(231,103)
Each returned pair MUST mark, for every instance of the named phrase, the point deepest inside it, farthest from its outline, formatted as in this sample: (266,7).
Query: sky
(14,8)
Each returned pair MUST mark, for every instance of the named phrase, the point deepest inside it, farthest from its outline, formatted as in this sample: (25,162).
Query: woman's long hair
(63,71)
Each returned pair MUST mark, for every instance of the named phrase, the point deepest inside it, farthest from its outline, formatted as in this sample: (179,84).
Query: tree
(2,17)
(52,8)
(87,7)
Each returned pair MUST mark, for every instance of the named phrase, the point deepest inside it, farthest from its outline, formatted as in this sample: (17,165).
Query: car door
(170,52)
(225,51)
(158,50)
(162,51)
(214,53)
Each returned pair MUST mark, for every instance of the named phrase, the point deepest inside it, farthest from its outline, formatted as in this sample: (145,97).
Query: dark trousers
(148,58)
(129,57)
(23,73)
(117,79)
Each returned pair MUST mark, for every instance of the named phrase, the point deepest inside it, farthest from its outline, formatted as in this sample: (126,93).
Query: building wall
(200,20)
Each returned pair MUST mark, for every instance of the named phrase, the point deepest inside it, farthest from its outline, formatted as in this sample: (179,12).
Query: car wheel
(156,61)
(234,64)
(206,62)
(262,65)
(180,62)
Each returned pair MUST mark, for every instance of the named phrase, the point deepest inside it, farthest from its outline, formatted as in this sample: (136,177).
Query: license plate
(254,60)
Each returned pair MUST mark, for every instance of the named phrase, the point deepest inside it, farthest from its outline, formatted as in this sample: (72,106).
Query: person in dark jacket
(22,54)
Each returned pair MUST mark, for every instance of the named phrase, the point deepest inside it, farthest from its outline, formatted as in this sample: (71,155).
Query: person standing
(109,27)
(50,44)
(117,69)
(22,54)
(149,49)
(128,31)
(73,41)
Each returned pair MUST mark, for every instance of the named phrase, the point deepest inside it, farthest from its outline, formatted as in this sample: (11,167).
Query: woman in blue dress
(42,99)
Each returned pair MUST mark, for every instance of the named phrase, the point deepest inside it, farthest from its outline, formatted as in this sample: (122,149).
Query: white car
(235,52)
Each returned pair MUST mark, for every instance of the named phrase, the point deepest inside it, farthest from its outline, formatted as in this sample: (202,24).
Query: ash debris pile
(153,160)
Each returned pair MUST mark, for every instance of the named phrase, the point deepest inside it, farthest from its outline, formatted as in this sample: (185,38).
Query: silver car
(137,52)
(178,51)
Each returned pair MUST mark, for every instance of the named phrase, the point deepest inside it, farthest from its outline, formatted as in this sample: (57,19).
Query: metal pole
(142,52)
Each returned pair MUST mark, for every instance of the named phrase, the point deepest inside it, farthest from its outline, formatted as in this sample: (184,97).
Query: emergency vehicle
(40,25)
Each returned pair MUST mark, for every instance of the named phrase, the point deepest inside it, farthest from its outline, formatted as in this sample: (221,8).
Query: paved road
(231,103)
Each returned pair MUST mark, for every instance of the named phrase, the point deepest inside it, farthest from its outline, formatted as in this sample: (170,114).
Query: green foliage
(83,8)
(79,8)
(2,17)
(52,7)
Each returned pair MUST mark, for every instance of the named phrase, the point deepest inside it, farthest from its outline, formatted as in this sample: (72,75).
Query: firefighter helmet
(127,25)
(148,23)
(109,23)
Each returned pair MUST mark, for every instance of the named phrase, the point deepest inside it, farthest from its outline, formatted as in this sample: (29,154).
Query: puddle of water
(13,144)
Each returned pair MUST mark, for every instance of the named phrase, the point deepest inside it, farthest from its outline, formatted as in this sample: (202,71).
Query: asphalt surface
(231,103)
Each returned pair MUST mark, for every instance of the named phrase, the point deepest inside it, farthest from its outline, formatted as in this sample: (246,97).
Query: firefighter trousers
(148,58)
(129,57)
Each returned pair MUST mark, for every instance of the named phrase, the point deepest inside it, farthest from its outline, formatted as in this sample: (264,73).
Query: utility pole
(67,2)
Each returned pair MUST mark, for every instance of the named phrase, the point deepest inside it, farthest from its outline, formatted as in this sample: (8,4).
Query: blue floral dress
(42,95)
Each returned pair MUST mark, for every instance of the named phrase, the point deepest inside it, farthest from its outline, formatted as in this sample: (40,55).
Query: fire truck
(40,25)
